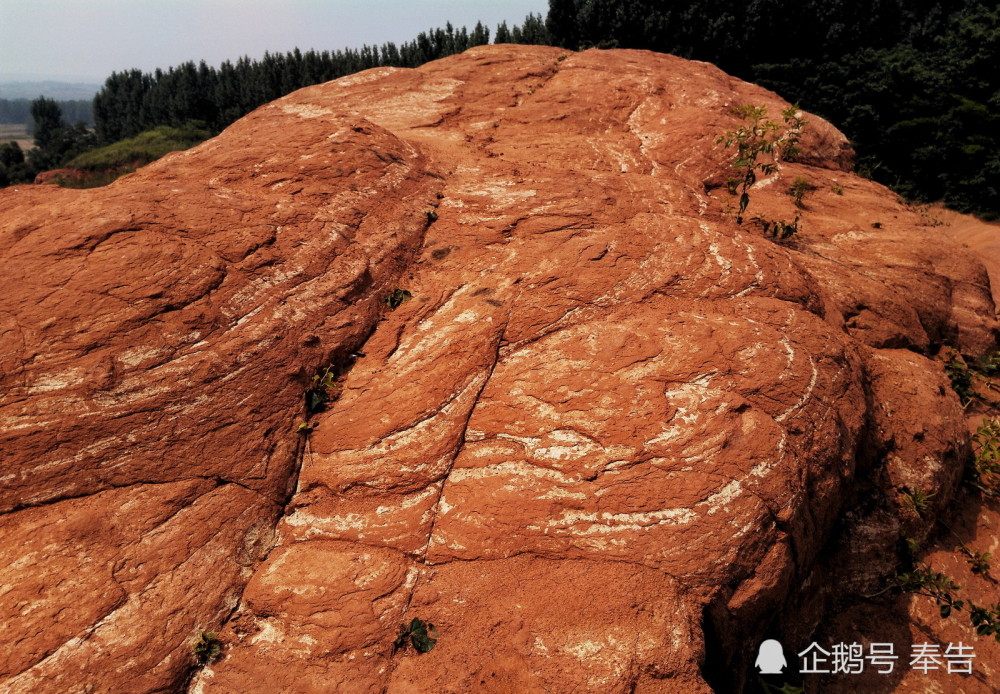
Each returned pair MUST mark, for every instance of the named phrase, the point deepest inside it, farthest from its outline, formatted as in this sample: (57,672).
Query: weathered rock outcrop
(602,448)
(157,336)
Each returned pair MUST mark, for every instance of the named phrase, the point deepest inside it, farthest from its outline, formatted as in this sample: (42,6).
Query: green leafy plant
(760,145)
(324,386)
(986,620)
(778,229)
(207,648)
(961,377)
(988,365)
(918,499)
(798,190)
(984,470)
(837,189)
(964,373)
(979,562)
(396,298)
(306,428)
(923,581)
(421,635)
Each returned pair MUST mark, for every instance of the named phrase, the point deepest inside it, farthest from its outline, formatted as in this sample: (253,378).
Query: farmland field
(17,132)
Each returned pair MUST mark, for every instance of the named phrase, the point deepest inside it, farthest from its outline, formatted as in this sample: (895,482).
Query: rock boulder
(607,444)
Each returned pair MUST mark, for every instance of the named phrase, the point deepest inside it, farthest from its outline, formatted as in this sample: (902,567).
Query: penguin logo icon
(771,658)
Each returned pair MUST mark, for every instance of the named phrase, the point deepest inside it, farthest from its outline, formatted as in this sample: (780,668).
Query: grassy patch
(141,149)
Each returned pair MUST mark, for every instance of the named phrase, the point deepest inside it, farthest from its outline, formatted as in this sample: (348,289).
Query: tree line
(133,101)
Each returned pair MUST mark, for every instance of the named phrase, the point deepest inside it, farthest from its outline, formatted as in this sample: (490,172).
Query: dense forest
(913,83)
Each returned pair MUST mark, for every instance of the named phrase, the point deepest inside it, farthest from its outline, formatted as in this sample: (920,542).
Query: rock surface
(608,443)
(155,340)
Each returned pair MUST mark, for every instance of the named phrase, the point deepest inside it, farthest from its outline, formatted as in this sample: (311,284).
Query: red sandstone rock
(609,420)
(156,338)
(53,175)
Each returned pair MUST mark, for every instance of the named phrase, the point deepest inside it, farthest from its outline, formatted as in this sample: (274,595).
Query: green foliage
(961,377)
(324,387)
(13,168)
(56,142)
(779,230)
(503,33)
(47,117)
(918,500)
(141,149)
(11,154)
(306,428)
(760,145)
(531,31)
(72,111)
(207,648)
(785,687)
(979,562)
(988,365)
(396,298)
(420,634)
(837,189)
(910,548)
(984,470)
(432,216)
(798,190)
(986,620)
(131,101)
(923,581)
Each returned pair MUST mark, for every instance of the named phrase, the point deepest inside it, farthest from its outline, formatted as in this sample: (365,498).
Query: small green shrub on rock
(421,635)
(207,648)
(984,470)
(760,145)
(396,298)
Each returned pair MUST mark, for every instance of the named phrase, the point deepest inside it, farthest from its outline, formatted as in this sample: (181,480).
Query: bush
(207,648)
(984,470)
(141,149)
(760,145)
(420,634)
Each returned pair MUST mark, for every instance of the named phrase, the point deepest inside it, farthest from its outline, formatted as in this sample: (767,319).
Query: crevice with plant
(761,145)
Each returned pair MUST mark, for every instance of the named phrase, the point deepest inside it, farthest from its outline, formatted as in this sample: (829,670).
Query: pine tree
(503,33)
(47,117)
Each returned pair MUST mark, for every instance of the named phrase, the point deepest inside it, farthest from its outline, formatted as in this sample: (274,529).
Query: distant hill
(60,91)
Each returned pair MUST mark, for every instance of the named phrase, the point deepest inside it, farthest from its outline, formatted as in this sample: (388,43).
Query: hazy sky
(87,39)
